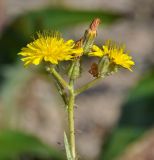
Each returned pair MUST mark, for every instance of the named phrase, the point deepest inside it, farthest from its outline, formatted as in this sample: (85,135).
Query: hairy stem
(71,123)
(71,114)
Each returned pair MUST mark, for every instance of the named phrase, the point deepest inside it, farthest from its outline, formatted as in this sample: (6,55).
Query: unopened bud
(94,25)
(90,35)
(112,69)
(103,66)
(74,70)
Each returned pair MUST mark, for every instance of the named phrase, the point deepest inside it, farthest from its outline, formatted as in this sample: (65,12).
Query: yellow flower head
(116,54)
(50,48)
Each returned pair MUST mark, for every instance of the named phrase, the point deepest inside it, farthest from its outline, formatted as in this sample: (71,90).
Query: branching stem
(87,86)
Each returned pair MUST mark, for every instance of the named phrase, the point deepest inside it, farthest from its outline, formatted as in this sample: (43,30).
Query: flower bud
(90,35)
(112,69)
(74,70)
(103,66)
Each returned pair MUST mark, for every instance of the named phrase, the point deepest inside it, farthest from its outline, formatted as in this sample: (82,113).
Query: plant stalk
(87,86)
(71,123)
(58,77)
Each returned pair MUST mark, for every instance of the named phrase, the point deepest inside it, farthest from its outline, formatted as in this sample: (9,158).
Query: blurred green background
(119,125)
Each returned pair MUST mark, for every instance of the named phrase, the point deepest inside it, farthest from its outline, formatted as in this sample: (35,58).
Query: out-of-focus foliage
(137,116)
(119,140)
(17,91)
(15,78)
(17,145)
(25,26)
(139,109)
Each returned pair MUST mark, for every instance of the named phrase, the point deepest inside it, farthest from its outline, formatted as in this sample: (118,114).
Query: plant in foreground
(51,50)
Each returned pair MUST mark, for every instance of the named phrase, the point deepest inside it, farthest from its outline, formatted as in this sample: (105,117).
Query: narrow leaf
(67,148)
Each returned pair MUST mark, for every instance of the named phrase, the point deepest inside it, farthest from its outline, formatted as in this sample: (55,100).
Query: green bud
(103,66)
(74,70)
(113,68)
(88,41)
(90,35)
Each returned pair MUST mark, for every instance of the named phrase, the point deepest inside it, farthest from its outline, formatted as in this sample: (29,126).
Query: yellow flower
(50,48)
(96,51)
(116,54)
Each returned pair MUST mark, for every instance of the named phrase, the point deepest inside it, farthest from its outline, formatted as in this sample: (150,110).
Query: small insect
(94,70)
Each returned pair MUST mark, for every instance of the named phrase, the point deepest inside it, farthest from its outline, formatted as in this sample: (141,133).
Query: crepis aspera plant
(51,50)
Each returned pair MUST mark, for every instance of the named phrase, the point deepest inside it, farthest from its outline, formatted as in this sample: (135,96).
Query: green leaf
(14,145)
(67,148)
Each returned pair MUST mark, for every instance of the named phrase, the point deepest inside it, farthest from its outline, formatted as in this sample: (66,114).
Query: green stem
(58,77)
(87,86)
(71,115)
(62,92)
(71,123)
